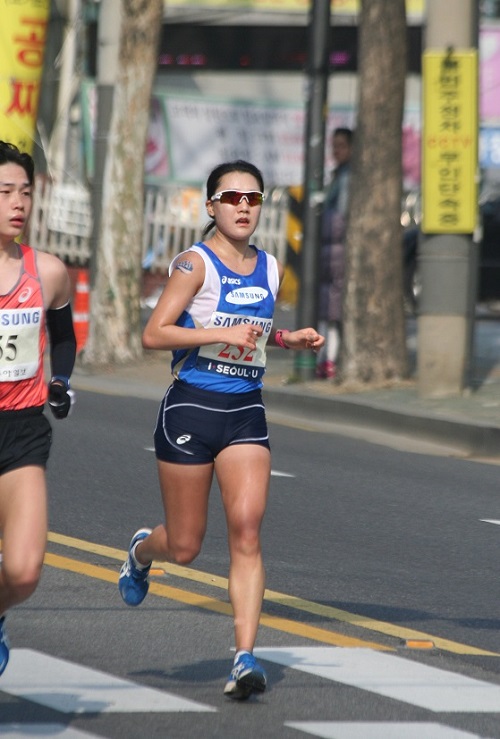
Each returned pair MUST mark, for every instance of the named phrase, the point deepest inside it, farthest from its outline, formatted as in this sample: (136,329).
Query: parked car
(487,238)
(489,250)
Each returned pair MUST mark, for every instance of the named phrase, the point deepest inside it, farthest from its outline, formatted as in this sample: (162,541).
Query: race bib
(19,343)
(231,360)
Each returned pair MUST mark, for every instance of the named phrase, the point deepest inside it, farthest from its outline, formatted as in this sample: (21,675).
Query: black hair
(215,176)
(10,154)
(347,132)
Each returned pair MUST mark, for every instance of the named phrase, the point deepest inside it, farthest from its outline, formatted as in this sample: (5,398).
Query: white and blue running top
(227,298)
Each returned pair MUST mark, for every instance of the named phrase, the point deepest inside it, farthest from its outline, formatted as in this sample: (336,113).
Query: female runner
(216,316)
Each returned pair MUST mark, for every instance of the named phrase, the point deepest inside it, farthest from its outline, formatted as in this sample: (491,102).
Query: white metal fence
(61,223)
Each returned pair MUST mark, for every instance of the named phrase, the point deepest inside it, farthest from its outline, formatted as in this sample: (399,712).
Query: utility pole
(317,86)
(107,72)
(68,88)
(447,253)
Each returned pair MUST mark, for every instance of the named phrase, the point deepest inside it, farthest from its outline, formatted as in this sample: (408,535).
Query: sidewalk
(470,424)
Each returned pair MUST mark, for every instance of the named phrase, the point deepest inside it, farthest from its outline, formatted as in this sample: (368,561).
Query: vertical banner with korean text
(23,30)
(450,141)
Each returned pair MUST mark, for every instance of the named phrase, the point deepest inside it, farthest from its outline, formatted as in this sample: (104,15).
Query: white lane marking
(15,731)
(72,688)
(379,730)
(489,520)
(392,676)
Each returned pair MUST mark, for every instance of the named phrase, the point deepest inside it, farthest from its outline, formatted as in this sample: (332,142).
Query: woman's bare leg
(243,472)
(185,492)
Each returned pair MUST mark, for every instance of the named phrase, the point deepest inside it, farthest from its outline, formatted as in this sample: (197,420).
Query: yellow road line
(317,609)
(212,604)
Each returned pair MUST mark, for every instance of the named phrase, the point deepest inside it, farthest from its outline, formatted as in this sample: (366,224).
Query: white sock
(332,343)
(138,564)
(323,330)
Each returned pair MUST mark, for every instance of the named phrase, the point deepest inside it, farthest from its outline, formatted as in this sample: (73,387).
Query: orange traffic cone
(81,309)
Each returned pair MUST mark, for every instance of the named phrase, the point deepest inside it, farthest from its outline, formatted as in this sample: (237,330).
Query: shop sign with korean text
(23,30)
(450,141)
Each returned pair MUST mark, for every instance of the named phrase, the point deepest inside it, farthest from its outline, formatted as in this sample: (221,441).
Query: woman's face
(237,222)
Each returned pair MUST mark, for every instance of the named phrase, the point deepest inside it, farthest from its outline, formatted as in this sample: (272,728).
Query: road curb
(477,438)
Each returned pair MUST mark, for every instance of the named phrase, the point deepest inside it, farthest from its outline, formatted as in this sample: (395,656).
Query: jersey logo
(183,439)
(25,294)
(247,295)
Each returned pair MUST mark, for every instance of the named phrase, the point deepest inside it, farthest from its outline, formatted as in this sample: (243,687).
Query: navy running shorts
(194,425)
(25,439)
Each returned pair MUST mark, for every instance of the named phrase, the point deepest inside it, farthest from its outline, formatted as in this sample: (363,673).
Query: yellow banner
(23,31)
(339,7)
(450,141)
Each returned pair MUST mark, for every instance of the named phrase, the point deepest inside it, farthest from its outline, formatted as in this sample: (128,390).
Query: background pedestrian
(333,254)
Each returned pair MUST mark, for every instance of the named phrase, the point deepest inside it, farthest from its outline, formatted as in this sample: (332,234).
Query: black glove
(61,398)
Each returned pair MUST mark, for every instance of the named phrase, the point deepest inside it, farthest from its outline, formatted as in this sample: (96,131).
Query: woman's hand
(304,338)
(242,335)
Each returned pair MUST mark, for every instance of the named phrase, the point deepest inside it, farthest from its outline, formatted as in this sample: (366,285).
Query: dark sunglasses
(234,197)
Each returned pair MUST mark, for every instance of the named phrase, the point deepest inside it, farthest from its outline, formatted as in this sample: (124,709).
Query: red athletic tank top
(23,339)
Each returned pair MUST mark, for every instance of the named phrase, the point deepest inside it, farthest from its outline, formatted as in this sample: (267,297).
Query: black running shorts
(25,439)
(194,425)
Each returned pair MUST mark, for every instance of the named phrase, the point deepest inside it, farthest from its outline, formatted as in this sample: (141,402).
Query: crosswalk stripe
(379,730)
(13,731)
(392,676)
(72,688)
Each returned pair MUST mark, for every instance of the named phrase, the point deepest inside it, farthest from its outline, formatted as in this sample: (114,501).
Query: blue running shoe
(4,646)
(133,581)
(246,677)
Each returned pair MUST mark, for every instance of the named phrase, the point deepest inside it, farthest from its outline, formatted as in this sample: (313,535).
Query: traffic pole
(447,252)
(317,87)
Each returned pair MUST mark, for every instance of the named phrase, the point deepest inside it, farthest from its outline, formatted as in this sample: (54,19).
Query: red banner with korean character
(23,31)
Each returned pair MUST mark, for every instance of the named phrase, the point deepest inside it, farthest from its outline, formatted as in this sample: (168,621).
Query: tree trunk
(374,341)
(115,318)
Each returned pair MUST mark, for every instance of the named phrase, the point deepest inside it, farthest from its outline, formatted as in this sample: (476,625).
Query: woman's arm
(183,284)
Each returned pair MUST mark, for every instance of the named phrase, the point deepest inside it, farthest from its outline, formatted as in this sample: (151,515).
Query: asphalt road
(371,553)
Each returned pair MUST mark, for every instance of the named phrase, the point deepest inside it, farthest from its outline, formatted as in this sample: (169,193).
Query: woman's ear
(210,208)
